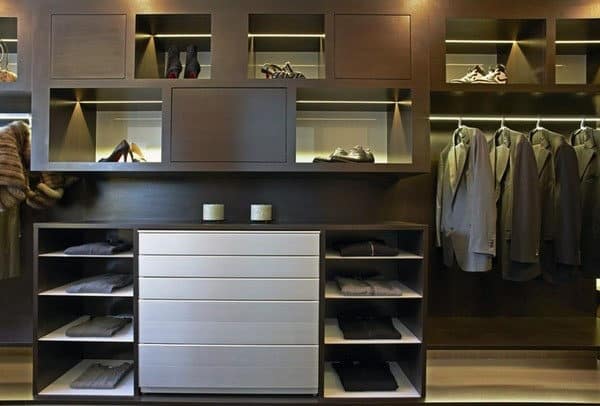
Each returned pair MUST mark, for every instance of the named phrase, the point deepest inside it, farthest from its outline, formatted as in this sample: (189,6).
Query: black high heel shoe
(120,150)
(192,67)
(173,63)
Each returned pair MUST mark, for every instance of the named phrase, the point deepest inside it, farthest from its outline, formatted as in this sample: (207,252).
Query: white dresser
(228,311)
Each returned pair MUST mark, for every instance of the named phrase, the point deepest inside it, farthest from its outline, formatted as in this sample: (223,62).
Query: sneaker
(496,76)
(473,74)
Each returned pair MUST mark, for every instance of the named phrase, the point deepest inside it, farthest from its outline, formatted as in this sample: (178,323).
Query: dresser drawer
(229,289)
(214,322)
(228,267)
(228,369)
(228,243)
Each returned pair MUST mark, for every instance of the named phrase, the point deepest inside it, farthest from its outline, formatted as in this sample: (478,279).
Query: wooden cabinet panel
(372,46)
(228,125)
(88,46)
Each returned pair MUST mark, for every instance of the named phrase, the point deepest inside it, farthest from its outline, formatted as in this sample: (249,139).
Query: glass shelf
(8,50)
(578,51)
(87,124)
(519,45)
(378,119)
(279,38)
(157,33)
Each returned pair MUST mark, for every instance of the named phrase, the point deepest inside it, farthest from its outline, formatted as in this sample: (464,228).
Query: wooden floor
(512,376)
(453,376)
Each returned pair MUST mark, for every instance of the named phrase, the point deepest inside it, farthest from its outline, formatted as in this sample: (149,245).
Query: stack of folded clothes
(104,283)
(364,376)
(368,328)
(372,248)
(104,326)
(99,376)
(109,247)
(368,287)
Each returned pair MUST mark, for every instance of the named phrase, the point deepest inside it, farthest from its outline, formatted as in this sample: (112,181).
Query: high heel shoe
(192,67)
(136,153)
(120,150)
(173,63)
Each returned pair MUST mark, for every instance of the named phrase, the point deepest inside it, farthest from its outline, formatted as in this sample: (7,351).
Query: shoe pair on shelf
(174,67)
(273,71)
(123,150)
(356,154)
(496,75)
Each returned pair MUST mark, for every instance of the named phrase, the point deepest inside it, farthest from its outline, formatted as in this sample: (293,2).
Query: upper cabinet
(578,51)
(372,46)
(88,46)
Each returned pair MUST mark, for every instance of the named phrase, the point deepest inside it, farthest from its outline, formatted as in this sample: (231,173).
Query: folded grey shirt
(99,248)
(105,326)
(99,376)
(368,287)
(104,283)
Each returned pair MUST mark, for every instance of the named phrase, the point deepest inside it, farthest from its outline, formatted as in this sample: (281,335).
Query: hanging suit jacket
(560,205)
(587,146)
(518,203)
(466,203)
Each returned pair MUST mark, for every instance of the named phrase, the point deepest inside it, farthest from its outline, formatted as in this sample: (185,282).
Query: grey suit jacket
(587,149)
(467,212)
(518,202)
(560,202)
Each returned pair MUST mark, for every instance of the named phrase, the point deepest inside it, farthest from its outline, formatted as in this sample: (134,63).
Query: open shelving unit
(405,356)
(577,51)
(279,38)
(378,119)
(157,33)
(518,44)
(86,124)
(58,358)
(9,45)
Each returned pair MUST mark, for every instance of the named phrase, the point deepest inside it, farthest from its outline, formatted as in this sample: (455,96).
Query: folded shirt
(104,283)
(368,287)
(373,248)
(362,376)
(104,326)
(99,376)
(109,247)
(356,328)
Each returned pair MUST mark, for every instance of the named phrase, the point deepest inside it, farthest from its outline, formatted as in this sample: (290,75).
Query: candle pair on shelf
(216,212)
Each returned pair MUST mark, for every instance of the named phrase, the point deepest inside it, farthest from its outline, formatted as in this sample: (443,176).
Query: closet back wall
(318,198)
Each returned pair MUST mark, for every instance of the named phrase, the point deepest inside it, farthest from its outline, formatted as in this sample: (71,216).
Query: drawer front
(228,243)
(88,46)
(228,267)
(228,369)
(202,322)
(229,289)
(233,125)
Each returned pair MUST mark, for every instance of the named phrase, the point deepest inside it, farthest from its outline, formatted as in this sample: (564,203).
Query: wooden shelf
(60,387)
(124,335)
(61,254)
(334,389)
(333,255)
(334,335)
(332,291)
(568,333)
(127,291)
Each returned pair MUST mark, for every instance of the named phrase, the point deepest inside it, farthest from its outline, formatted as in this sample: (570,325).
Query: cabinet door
(372,46)
(228,125)
(88,46)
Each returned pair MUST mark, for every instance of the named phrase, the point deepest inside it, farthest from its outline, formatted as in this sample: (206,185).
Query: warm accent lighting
(480,41)
(286,35)
(119,102)
(9,40)
(15,116)
(182,35)
(513,119)
(585,41)
(389,102)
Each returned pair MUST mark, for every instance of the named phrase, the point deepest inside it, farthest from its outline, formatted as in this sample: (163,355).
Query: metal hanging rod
(532,119)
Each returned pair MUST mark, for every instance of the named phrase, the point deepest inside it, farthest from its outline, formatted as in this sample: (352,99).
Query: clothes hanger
(502,131)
